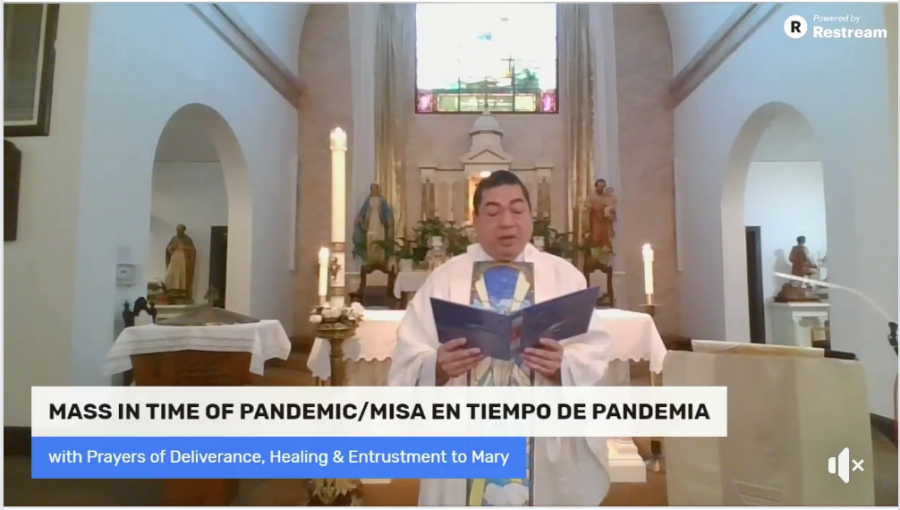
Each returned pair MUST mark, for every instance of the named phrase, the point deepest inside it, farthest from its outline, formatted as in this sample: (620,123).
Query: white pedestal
(791,322)
(625,463)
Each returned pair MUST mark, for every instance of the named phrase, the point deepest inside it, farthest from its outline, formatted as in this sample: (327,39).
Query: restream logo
(796,27)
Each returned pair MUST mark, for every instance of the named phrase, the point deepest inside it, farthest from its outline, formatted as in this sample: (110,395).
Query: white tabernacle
(264,340)
(792,323)
(634,337)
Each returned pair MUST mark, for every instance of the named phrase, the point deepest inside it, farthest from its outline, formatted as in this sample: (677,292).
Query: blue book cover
(505,336)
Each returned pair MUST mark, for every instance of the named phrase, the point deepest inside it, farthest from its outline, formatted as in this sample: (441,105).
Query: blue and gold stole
(505,287)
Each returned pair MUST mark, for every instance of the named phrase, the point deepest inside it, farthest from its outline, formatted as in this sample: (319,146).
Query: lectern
(197,368)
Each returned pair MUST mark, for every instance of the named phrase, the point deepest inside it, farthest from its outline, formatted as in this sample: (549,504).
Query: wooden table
(197,356)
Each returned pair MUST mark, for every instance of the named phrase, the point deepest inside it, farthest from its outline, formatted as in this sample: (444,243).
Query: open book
(507,336)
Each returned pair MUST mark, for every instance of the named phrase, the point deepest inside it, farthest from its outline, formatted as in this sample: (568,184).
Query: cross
(510,61)
(334,267)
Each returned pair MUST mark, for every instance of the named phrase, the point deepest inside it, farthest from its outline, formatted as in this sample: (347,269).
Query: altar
(447,191)
(634,337)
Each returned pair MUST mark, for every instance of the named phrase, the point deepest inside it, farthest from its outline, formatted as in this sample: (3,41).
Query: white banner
(379,411)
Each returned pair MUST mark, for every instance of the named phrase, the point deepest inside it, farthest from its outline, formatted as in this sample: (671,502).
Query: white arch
(240,199)
(734,242)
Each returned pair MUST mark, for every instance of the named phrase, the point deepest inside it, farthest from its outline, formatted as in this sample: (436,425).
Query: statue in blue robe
(373,230)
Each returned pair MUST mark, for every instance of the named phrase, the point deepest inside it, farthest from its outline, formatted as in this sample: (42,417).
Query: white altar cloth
(634,337)
(264,340)
(374,341)
(409,281)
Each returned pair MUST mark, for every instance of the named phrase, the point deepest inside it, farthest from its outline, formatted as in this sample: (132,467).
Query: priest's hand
(454,360)
(545,359)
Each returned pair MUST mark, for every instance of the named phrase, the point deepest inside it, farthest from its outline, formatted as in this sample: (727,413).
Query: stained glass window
(502,56)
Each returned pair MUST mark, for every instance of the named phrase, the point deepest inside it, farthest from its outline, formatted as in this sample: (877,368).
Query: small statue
(181,256)
(601,216)
(802,264)
(374,224)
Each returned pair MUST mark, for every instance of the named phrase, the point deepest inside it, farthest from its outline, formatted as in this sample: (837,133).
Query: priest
(563,471)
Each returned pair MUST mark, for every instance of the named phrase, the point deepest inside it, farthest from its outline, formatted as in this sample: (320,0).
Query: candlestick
(338,185)
(647,253)
(324,257)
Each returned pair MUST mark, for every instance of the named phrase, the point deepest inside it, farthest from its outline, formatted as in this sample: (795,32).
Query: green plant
(404,249)
(457,240)
(426,229)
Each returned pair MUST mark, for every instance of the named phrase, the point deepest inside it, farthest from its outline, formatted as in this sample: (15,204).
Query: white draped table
(264,340)
(634,337)
(409,281)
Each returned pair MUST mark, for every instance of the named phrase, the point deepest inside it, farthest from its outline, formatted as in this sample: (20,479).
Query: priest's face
(503,224)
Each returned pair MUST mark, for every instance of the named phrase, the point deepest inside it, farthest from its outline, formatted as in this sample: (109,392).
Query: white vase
(406,265)
(437,241)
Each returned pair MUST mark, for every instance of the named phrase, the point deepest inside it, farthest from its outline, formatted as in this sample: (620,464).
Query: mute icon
(840,465)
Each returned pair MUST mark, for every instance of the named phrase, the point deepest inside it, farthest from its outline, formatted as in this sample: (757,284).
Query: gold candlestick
(333,491)
(656,455)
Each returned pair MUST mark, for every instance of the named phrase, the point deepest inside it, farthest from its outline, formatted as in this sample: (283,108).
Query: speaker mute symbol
(840,465)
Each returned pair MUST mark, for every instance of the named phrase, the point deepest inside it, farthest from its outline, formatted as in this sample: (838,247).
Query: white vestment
(567,471)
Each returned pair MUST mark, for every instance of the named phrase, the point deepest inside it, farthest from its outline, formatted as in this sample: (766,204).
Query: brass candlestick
(656,455)
(334,491)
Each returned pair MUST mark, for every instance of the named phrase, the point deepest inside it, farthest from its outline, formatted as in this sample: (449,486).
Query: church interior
(717,176)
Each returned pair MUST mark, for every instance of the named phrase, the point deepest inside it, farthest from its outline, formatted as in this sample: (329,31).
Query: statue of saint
(801,261)
(374,223)
(181,255)
(601,207)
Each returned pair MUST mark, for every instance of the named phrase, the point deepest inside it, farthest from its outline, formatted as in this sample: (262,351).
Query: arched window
(503,56)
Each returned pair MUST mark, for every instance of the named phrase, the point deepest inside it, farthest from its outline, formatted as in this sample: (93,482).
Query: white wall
(165,57)
(847,105)
(39,279)
(279,26)
(786,200)
(192,194)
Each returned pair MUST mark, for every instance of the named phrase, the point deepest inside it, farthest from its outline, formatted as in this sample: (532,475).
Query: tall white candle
(338,185)
(647,253)
(324,257)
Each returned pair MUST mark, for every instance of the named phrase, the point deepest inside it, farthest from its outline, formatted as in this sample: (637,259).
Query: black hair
(598,181)
(801,239)
(495,180)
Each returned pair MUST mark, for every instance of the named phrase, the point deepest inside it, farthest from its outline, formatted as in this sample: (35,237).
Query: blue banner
(277,457)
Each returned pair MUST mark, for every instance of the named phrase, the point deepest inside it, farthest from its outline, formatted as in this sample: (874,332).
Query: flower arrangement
(329,317)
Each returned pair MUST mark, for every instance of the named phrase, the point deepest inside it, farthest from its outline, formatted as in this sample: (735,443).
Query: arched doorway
(773,193)
(201,186)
